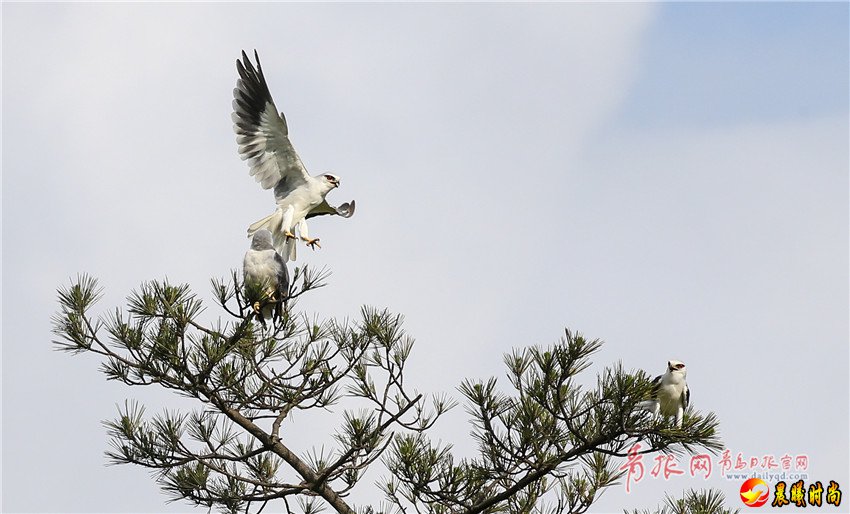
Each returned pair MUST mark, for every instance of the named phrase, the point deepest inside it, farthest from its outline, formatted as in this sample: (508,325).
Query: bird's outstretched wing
(345,210)
(261,133)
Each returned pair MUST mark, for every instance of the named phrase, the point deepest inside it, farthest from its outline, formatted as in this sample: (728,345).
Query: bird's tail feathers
(287,249)
(284,246)
(271,223)
(268,311)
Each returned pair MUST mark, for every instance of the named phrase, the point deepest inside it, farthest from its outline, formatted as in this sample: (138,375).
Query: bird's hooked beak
(332,180)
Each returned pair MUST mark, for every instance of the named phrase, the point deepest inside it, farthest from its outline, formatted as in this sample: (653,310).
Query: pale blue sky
(715,64)
(670,178)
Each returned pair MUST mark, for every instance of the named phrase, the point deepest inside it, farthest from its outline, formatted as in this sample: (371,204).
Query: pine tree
(545,443)
(692,502)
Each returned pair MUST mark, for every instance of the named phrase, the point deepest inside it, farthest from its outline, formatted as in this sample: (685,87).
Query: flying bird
(670,393)
(265,273)
(263,140)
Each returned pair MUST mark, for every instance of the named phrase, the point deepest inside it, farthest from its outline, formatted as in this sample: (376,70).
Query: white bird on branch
(670,393)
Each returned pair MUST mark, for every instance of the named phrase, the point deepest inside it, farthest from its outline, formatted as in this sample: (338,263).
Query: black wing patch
(686,398)
(656,385)
(282,278)
(282,294)
(252,95)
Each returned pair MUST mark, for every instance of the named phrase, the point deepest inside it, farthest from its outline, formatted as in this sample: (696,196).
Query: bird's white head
(676,367)
(331,180)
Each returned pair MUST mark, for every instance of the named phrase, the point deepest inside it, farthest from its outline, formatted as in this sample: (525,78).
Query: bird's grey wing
(261,133)
(345,210)
(282,278)
(686,397)
(254,269)
(247,266)
(656,385)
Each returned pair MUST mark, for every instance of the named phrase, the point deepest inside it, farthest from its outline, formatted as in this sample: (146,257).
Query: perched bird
(263,140)
(670,393)
(265,272)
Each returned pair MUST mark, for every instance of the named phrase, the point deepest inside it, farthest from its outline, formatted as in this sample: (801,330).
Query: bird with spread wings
(263,140)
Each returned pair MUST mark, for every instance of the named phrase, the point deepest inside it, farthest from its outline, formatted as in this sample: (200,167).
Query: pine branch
(548,438)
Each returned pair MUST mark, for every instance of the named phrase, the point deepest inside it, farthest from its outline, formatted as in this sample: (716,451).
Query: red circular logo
(754,492)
